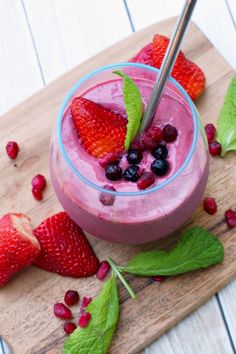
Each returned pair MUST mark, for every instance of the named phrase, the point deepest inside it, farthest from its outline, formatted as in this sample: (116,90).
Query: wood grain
(26,303)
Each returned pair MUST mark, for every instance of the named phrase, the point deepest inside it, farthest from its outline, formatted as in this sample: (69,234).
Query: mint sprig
(133,106)
(97,336)
(226,124)
(196,249)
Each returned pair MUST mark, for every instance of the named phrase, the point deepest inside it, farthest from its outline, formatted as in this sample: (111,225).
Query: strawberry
(187,73)
(100,130)
(18,246)
(144,56)
(64,248)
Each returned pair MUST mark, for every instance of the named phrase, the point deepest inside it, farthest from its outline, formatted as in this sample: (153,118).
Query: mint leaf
(226,124)
(96,338)
(133,106)
(196,249)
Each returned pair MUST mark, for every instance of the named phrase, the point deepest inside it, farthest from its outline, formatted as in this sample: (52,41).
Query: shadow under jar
(135,216)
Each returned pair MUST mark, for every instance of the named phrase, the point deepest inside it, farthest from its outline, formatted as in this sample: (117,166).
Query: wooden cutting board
(26,319)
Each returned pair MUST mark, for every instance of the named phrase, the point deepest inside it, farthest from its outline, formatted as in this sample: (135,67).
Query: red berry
(109,158)
(37,193)
(145,56)
(137,145)
(230,218)
(100,130)
(85,302)
(147,141)
(146,180)
(159,278)
(155,133)
(69,327)
(170,133)
(71,297)
(187,73)
(210,132)
(103,270)
(210,205)
(106,198)
(84,319)
(38,182)
(62,311)
(12,149)
(214,148)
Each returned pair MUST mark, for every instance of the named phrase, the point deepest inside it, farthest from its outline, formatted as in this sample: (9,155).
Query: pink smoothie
(133,218)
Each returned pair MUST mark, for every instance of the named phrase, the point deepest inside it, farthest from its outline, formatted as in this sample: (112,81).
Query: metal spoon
(167,64)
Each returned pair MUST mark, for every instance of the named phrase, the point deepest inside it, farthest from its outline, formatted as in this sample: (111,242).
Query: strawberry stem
(118,273)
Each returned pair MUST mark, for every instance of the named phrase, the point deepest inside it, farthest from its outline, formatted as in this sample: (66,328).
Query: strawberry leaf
(226,125)
(196,249)
(133,105)
(97,336)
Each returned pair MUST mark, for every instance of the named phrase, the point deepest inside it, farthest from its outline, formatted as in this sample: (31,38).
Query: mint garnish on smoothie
(133,106)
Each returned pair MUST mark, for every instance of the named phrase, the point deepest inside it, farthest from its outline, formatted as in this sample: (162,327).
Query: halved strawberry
(18,246)
(144,56)
(100,130)
(64,248)
(187,73)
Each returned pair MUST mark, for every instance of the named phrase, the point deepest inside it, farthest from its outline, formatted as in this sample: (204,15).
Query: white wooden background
(41,39)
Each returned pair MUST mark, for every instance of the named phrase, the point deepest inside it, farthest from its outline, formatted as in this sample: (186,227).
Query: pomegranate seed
(69,327)
(210,132)
(12,149)
(37,193)
(85,302)
(106,198)
(38,182)
(170,133)
(71,297)
(158,278)
(214,148)
(62,311)
(147,141)
(109,158)
(137,145)
(84,319)
(156,133)
(230,218)
(103,270)
(210,206)
(146,180)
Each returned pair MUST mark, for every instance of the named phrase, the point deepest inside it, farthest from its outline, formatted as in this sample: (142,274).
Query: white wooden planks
(19,70)
(68,32)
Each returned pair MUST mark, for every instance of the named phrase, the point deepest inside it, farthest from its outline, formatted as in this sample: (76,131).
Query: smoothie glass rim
(62,110)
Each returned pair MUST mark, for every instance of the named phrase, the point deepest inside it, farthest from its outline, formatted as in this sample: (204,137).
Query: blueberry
(131,173)
(113,172)
(170,133)
(160,152)
(134,156)
(160,167)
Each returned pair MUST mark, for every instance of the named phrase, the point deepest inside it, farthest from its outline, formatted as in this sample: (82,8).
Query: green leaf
(196,249)
(226,125)
(97,336)
(133,106)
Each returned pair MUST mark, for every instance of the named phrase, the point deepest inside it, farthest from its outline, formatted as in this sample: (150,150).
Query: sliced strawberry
(64,248)
(18,246)
(144,56)
(187,73)
(100,130)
